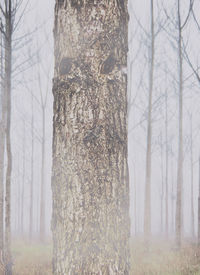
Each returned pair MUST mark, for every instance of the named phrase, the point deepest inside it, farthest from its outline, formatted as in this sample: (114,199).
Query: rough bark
(147,205)
(90,222)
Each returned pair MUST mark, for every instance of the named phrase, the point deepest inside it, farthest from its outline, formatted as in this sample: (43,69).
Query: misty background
(33,61)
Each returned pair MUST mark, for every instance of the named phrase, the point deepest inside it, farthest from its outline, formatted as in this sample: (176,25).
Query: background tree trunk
(192,179)
(23,178)
(147,207)
(8,72)
(32,167)
(2,148)
(90,185)
(166,171)
(180,140)
(42,192)
(199,208)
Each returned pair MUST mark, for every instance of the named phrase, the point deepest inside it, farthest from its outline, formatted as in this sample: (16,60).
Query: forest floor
(160,259)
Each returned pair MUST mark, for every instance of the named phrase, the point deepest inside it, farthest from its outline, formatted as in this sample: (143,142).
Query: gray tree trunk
(90,222)
(192,180)
(2,149)
(199,208)
(23,178)
(167,167)
(179,220)
(162,186)
(8,71)
(42,191)
(147,206)
(32,167)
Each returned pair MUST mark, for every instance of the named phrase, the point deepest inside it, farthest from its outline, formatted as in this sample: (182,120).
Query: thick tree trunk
(90,222)
(147,206)
(179,220)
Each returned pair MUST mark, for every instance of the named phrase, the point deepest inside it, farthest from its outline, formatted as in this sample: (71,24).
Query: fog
(33,68)
(37,24)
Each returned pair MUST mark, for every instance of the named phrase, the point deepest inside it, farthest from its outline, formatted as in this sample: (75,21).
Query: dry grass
(31,259)
(161,259)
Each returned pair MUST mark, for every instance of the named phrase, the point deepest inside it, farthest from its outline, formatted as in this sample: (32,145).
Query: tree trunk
(147,207)
(172,198)
(179,220)
(23,179)
(42,193)
(192,180)
(166,171)
(8,70)
(2,151)
(162,186)
(90,222)
(199,208)
(32,167)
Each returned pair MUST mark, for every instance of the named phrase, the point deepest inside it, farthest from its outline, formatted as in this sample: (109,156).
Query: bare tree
(199,208)
(147,209)
(32,166)
(192,176)
(181,24)
(2,145)
(166,163)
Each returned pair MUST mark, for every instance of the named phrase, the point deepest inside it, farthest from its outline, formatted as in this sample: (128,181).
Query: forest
(99,137)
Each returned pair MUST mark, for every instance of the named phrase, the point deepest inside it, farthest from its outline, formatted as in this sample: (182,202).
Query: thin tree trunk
(147,207)
(23,178)
(8,71)
(162,187)
(90,185)
(19,196)
(199,208)
(179,215)
(2,152)
(166,171)
(135,203)
(192,181)
(32,167)
(172,198)
(42,193)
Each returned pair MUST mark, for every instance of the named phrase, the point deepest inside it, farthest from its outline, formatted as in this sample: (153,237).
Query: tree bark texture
(90,222)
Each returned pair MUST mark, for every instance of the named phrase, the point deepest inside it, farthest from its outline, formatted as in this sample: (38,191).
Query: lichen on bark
(90,221)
